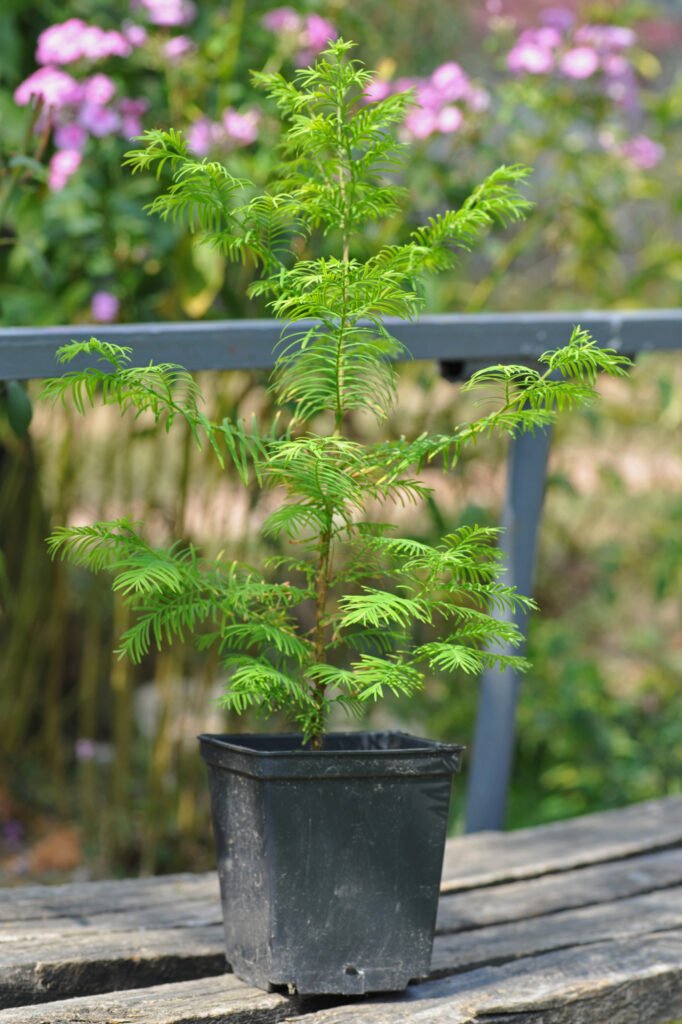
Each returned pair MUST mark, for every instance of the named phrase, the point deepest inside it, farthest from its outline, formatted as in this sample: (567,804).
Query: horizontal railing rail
(28,352)
(458,342)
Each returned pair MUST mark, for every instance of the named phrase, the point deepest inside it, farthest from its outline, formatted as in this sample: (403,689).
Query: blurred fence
(461,343)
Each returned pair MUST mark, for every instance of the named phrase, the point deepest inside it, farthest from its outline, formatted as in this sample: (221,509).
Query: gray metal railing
(460,343)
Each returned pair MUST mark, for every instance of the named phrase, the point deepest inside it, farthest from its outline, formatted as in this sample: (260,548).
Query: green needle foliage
(365,586)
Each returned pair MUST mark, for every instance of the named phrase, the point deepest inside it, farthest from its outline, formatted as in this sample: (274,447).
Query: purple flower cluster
(74,40)
(234,128)
(640,151)
(598,52)
(104,307)
(169,13)
(178,47)
(578,52)
(440,100)
(78,108)
(306,35)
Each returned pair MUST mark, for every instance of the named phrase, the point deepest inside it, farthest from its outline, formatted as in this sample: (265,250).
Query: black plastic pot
(330,861)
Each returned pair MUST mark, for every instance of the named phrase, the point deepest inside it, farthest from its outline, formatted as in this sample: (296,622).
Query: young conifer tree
(365,585)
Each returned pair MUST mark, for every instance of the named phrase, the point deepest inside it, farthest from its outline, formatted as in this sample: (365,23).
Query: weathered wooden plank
(635,981)
(487,858)
(78,964)
(219,1000)
(658,911)
(77,900)
(181,904)
(601,883)
(195,913)
(61,941)
(52,966)
(625,982)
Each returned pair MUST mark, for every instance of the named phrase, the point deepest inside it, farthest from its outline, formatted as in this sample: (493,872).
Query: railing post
(493,745)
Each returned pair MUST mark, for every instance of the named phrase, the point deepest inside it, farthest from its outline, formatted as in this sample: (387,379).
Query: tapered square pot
(330,861)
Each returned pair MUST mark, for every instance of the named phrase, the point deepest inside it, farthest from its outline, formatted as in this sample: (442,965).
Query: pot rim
(416,757)
(239,741)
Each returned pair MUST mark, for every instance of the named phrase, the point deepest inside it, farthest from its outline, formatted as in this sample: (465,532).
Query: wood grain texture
(36,970)
(78,900)
(640,915)
(488,858)
(194,902)
(221,1000)
(602,883)
(625,982)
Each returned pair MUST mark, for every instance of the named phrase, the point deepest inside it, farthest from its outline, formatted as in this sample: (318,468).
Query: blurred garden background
(99,768)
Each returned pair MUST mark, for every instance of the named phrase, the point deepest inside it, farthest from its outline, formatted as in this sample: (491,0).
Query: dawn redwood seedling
(366,586)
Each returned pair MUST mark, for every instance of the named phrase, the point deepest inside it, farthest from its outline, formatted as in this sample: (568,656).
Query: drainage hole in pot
(352,970)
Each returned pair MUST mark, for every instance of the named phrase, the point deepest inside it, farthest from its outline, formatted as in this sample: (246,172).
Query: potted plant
(329,844)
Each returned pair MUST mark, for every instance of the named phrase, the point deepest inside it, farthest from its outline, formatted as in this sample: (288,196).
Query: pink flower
(60,44)
(403,84)
(282,19)
(70,136)
(135,34)
(92,750)
(74,39)
(449,120)
(98,89)
(428,97)
(548,38)
(531,58)
(131,126)
(623,90)
(241,128)
(131,111)
(643,152)
(97,45)
(98,120)
(134,106)
(178,47)
(581,62)
(606,37)
(200,136)
(318,32)
(420,124)
(104,307)
(85,749)
(114,44)
(56,88)
(615,65)
(478,99)
(377,90)
(450,82)
(62,166)
(171,13)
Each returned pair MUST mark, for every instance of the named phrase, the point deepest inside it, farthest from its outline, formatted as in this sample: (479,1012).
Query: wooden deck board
(587,913)
(624,982)
(488,858)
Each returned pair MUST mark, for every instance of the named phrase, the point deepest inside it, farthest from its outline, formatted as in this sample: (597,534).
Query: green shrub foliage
(367,586)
